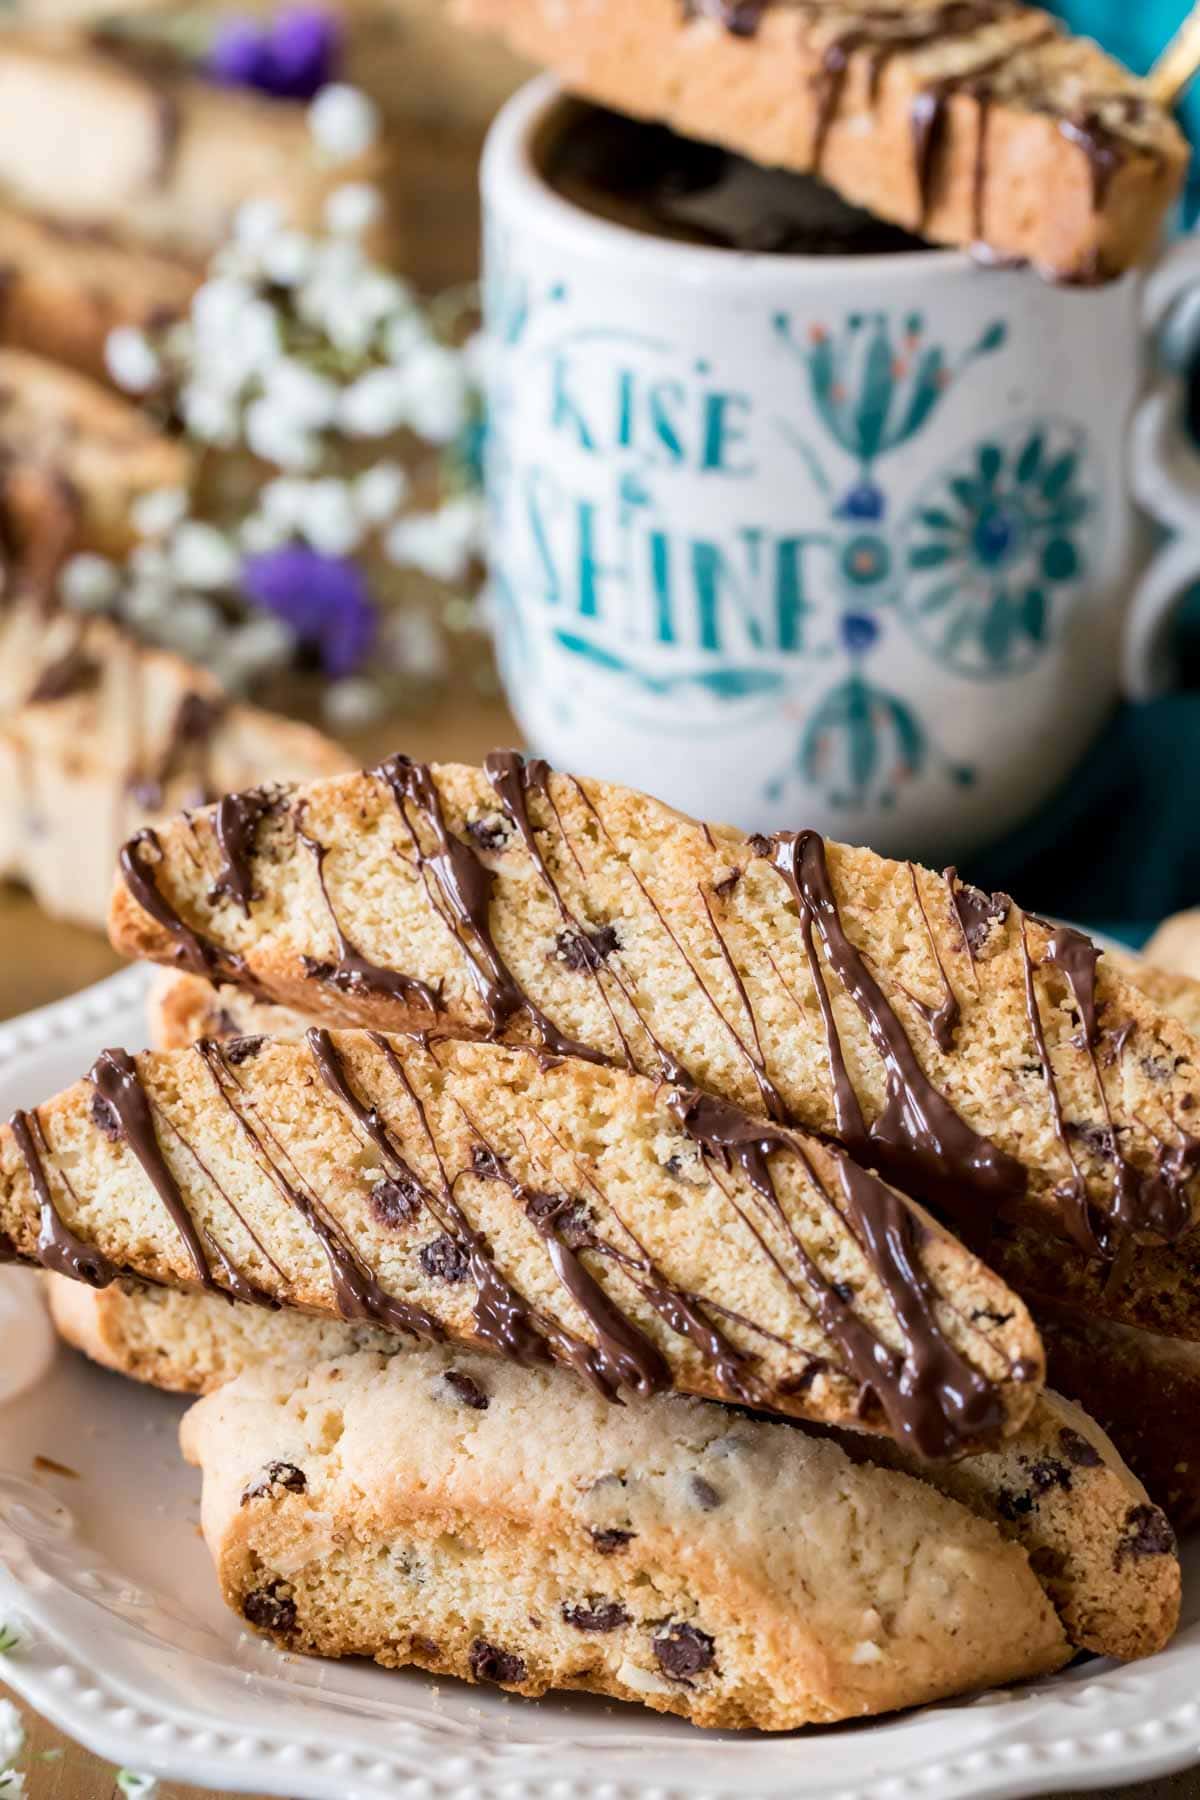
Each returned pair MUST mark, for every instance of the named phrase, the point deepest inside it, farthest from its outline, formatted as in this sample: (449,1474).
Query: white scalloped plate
(126,1646)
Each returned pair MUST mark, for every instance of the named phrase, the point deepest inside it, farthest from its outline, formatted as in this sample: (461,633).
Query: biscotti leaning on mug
(977,122)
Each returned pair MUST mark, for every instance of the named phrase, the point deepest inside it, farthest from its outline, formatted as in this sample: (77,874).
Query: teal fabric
(1120,845)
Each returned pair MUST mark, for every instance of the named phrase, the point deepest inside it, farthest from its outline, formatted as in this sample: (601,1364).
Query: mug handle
(1165,477)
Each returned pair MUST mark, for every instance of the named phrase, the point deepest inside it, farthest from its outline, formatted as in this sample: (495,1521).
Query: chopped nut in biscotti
(276,1477)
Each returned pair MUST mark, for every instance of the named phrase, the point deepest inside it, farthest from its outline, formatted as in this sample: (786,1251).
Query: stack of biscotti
(596,1103)
(981,123)
(120,174)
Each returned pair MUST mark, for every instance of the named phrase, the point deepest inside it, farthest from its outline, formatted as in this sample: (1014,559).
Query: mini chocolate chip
(674,1164)
(270,1610)
(580,950)
(277,1475)
(468,1390)
(802,1380)
(444,1260)
(1147,1533)
(570,1220)
(1049,1473)
(761,846)
(727,883)
(489,1663)
(221,1023)
(610,1540)
(424,1646)
(241,1049)
(104,1117)
(982,1314)
(683,1650)
(1013,1506)
(1155,1069)
(705,1494)
(597,1615)
(1047,1563)
(844,1291)
(490,832)
(486,1163)
(1095,1138)
(1076,1448)
(396,1200)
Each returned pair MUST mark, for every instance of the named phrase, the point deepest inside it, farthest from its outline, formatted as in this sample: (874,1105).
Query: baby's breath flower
(190,625)
(261,532)
(343,121)
(287,258)
(350,704)
(256,221)
(380,491)
(436,393)
(158,512)
(412,645)
(210,416)
(203,557)
(376,404)
(12,1733)
(439,543)
(353,208)
(277,439)
(306,398)
(262,643)
(145,607)
(88,583)
(330,522)
(131,359)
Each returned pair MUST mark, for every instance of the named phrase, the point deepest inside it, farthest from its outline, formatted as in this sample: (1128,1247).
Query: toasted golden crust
(662,942)
(732,1571)
(99,734)
(558,1211)
(968,123)
(182,1008)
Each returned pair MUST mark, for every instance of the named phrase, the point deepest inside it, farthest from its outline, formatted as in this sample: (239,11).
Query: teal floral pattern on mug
(993,545)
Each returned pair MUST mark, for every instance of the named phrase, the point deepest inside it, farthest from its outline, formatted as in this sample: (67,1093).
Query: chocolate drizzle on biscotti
(463,885)
(237,821)
(194,952)
(931,1397)
(59,1250)
(353,973)
(918,1133)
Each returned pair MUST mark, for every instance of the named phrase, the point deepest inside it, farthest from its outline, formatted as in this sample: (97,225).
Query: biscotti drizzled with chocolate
(983,1059)
(974,122)
(549,1209)
(500,1525)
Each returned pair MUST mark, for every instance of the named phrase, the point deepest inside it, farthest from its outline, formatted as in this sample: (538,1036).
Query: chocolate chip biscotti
(100,733)
(500,1525)
(1057,1487)
(968,121)
(985,1060)
(547,1209)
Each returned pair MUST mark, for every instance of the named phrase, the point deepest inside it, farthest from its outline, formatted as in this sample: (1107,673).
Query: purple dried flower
(291,56)
(325,600)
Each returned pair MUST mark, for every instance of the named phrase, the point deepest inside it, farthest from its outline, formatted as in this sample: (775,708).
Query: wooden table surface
(41,960)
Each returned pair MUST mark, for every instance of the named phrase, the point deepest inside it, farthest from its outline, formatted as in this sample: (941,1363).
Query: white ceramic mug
(842,541)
